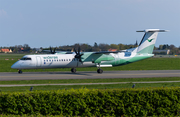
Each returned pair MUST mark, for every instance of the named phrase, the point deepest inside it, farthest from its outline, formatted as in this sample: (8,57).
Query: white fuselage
(50,61)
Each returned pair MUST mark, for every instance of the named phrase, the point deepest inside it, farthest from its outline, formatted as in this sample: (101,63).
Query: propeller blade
(79,50)
(54,50)
(78,55)
(50,50)
(75,51)
(77,62)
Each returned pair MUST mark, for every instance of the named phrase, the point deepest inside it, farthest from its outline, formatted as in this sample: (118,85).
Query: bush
(88,102)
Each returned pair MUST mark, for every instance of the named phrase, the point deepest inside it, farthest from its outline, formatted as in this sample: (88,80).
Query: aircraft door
(38,61)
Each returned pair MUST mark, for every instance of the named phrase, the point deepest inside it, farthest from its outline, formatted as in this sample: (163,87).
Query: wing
(108,52)
(97,57)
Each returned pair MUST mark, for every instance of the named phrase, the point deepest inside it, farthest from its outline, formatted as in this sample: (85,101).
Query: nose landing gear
(19,71)
(73,70)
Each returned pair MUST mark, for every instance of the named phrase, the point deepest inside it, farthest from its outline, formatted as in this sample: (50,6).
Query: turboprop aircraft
(91,59)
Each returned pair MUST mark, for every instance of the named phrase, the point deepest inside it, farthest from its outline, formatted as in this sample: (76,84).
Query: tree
(95,45)
(172,47)
(104,47)
(136,44)
(114,46)
(121,46)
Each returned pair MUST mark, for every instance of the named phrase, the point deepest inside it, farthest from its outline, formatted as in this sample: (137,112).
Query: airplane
(91,59)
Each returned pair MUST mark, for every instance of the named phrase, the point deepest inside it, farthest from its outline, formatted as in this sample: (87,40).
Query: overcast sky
(44,23)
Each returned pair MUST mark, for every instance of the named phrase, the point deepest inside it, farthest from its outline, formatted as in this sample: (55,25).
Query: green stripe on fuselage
(128,60)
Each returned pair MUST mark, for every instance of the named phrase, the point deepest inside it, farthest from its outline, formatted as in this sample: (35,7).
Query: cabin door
(38,61)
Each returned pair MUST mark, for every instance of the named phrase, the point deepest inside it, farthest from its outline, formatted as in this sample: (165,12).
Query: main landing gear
(73,70)
(19,71)
(99,70)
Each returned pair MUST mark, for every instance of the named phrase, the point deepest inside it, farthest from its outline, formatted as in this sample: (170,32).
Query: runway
(88,75)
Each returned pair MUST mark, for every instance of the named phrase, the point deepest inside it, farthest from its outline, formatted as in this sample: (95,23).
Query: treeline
(96,47)
(105,47)
(89,48)
(173,49)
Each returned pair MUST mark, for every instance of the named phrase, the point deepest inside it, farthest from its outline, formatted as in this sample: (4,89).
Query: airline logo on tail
(150,40)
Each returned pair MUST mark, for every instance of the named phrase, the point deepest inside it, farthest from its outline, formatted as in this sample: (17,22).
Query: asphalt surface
(88,75)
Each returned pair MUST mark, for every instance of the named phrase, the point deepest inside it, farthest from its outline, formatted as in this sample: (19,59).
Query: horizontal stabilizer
(152,30)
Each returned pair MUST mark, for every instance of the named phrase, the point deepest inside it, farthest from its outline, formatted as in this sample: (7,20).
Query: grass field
(156,63)
(99,86)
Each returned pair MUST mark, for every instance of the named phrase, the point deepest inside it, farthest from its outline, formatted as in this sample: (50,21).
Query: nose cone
(15,66)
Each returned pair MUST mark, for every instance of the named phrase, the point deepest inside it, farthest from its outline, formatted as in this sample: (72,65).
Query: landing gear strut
(99,70)
(73,70)
(19,71)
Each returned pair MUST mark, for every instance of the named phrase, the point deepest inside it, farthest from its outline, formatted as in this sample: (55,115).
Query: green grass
(147,64)
(90,80)
(105,86)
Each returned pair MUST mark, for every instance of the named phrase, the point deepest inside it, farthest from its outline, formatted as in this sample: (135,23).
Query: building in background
(5,50)
(162,52)
(112,50)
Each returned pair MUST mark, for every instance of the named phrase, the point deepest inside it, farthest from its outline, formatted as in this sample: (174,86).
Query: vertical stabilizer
(148,41)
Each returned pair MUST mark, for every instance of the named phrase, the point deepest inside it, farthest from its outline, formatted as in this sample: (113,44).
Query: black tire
(100,71)
(20,72)
(73,70)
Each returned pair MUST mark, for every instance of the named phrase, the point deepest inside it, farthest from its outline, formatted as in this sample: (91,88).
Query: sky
(44,23)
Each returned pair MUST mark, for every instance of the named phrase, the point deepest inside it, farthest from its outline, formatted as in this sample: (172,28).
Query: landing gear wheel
(73,70)
(100,71)
(19,71)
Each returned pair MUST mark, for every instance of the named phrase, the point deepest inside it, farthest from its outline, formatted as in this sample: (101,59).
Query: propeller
(78,55)
(52,51)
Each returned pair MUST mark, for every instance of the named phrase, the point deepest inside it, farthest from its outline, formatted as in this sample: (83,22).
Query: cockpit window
(25,58)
